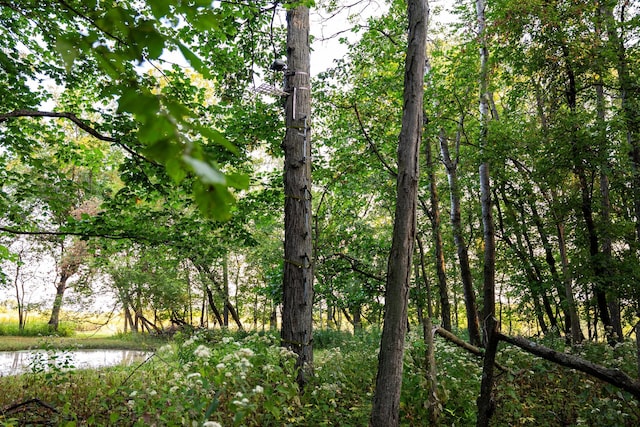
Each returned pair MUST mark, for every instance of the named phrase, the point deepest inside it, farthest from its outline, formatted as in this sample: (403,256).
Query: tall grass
(35,330)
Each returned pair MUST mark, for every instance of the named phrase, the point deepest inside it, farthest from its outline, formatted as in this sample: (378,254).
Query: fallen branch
(38,402)
(613,376)
(460,343)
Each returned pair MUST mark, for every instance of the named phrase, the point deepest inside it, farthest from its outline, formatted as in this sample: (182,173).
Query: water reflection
(18,362)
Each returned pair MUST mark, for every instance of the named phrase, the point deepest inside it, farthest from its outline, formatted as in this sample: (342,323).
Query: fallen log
(461,343)
(612,376)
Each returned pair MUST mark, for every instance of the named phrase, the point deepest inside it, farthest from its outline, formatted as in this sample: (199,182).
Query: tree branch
(73,233)
(78,122)
(613,376)
(389,169)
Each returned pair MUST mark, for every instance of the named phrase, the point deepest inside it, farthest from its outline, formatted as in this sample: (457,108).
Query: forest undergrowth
(215,378)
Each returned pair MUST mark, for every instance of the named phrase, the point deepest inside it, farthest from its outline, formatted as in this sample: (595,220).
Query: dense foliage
(140,177)
(247,379)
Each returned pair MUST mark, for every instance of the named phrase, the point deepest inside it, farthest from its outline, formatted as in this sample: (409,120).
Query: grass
(11,343)
(246,379)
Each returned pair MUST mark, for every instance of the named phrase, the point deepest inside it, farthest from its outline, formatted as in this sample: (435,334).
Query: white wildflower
(202,352)
(258,389)
(245,352)
(211,424)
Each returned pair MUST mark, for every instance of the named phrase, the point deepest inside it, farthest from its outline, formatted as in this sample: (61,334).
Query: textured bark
(296,328)
(486,402)
(386,401)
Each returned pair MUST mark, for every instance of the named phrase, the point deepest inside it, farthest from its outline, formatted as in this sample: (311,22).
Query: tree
(297,310)
(386,401)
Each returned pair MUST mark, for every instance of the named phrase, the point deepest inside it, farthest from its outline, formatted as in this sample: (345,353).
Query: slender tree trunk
(473,324)
(297,311)
(490,324)
(225,288)
(386,401)
(637,331)
(433,402)
(427,287)
(212,304)
(445,305)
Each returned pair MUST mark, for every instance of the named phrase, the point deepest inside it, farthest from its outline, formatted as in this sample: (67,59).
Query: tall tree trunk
(386,401)
(445,305)
(489,322)
(471,308)
(297,313)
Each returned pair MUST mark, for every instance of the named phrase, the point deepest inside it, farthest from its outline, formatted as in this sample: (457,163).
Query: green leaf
(194,60)
(143,104)
(238,180)
(158,129)
(175,169)
(215,137)
(204,171)
(160,8)
(213,200)
(163,151)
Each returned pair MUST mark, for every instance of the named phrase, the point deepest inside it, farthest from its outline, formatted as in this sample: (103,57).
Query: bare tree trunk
(473,324)
(212,304)
(490,325)
(432,375)
(225,288)
(297,311)
(445,305)
(386,401)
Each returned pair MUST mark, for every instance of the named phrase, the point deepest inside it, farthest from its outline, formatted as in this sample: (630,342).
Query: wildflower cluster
(211,380)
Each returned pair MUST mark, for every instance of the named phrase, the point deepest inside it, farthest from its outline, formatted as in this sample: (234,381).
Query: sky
(327,28)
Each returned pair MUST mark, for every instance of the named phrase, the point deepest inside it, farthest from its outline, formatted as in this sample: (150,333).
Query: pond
(19,362)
